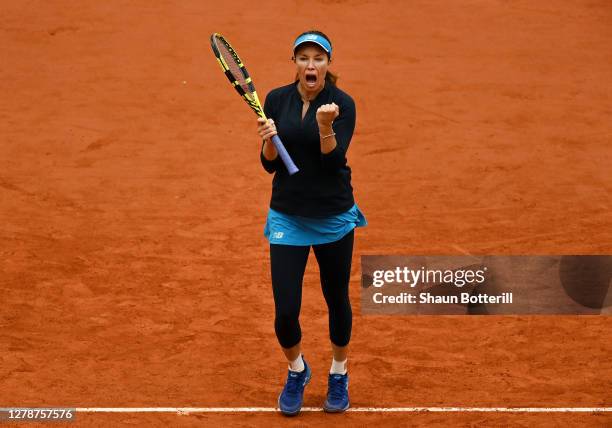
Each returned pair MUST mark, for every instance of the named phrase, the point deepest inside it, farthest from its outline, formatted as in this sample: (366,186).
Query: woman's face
(312,63)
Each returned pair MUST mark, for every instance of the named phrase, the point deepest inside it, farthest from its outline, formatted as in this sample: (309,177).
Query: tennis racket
(238,76)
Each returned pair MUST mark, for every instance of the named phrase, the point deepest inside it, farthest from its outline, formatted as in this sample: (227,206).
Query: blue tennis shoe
(291,398)
(337,393)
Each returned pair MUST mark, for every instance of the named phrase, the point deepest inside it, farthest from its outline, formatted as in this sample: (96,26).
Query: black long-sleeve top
(322,187)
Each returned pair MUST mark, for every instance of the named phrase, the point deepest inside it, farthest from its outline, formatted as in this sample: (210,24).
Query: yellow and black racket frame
(249,96)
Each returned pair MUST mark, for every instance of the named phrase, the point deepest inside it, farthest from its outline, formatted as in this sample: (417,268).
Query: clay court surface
(133,268)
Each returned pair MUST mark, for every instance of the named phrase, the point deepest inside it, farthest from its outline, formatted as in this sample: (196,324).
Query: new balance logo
(278,235)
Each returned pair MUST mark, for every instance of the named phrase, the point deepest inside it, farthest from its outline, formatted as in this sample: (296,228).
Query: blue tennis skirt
(288,229)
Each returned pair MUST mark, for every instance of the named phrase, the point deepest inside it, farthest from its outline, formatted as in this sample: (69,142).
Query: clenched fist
(327,113)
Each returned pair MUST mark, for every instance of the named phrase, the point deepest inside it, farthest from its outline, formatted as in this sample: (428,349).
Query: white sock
(297,365)
(338,367)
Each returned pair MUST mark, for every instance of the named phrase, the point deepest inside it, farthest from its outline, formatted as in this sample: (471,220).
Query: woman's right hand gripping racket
(237,74)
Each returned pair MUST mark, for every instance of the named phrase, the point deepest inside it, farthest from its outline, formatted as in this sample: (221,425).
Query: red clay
(133,269)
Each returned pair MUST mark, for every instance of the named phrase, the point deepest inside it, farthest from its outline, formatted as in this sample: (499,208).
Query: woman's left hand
(327,113)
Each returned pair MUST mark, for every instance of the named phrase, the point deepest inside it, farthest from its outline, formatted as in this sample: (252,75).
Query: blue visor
(313,38)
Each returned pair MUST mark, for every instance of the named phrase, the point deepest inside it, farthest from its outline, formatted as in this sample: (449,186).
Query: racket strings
(233,66)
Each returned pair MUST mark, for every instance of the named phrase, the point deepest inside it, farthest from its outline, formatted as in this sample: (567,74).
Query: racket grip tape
(282,152)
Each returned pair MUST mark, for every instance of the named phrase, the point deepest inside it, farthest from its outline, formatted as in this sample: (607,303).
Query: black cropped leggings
(288,264)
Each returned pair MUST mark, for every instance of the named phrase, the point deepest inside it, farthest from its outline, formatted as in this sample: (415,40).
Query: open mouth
(311,79)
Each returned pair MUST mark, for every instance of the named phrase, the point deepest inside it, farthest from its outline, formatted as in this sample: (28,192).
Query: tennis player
(313,208)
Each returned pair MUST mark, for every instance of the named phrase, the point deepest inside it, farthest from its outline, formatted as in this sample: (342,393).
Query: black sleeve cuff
(333,160)
(269,165)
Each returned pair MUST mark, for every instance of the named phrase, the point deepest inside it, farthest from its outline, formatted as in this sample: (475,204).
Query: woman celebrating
(315,207)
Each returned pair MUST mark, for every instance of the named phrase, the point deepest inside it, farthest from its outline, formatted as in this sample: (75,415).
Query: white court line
(186,410)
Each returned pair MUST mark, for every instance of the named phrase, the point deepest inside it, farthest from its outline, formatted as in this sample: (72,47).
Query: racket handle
(280,148)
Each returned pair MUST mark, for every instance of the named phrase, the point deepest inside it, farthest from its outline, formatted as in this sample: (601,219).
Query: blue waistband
(288,229)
